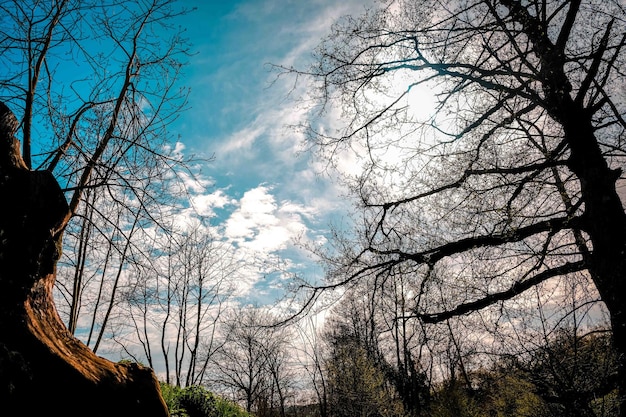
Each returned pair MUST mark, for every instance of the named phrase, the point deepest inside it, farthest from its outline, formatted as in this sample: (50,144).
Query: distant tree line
(351,366)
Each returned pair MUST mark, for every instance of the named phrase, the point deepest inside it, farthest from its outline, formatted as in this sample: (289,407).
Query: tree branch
(516,289)
(432,256)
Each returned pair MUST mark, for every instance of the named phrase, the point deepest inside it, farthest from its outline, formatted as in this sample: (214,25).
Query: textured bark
(43,368)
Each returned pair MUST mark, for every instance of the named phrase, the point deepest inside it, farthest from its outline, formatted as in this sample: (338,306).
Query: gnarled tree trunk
(43,368)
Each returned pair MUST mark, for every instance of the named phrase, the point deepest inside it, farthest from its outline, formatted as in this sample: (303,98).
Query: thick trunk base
(44,370)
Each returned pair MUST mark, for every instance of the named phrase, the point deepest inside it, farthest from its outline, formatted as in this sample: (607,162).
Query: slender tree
(378,326)
(512,180)
(176,304)
(311,353)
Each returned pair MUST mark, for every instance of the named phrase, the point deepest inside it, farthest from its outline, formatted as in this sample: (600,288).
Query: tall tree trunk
(604,216)
(606,226)
(605,223)
(43,369)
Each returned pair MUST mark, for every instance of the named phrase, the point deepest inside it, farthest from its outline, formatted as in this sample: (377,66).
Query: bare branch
(516,289)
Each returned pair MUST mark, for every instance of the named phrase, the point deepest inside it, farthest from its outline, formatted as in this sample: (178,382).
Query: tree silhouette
(512,181)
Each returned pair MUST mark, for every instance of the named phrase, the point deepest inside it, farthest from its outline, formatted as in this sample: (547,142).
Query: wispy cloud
(241,141)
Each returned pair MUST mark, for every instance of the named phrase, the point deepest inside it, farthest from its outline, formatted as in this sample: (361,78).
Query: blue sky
(264,193)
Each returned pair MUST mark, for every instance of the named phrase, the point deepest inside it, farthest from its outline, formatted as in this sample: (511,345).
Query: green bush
(196,401)
(227,408)
(171,395)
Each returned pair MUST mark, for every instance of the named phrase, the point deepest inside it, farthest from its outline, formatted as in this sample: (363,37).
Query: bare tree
(512,180)
(112,235)
(210,269)
(176,304)
(311,355)
(81,132)
(253,361)
(405,343)
(357,385)
(372,314)
(573,372)
(279,367)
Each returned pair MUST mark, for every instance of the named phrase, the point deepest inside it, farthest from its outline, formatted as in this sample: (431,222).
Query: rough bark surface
(44,370)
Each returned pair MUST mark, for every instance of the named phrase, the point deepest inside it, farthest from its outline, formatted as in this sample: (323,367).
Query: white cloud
(255,211)
(290,208)
(262,225)
(204,204)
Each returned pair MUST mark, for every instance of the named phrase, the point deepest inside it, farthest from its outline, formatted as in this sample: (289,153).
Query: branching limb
(516,289)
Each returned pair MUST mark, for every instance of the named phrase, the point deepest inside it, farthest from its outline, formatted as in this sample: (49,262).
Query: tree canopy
(511,181)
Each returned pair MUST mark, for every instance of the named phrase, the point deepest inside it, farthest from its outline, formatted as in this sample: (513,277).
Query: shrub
(196,401)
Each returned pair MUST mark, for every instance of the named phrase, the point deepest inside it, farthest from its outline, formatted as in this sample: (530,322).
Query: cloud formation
(263,192)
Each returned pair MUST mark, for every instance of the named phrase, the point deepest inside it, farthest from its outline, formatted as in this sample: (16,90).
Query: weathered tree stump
(44,370)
